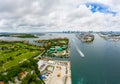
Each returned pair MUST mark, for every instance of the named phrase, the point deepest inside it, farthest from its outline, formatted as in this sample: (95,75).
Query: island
(86,38)
(57,47)
(114,37)
(20,35)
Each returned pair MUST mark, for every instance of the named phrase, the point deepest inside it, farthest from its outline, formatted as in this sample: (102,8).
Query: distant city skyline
(59,15)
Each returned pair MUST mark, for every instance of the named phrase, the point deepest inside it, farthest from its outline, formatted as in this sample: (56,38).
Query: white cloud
(56,15)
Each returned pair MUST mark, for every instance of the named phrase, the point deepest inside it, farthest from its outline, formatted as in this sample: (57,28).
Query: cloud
(59,15)
(97,7)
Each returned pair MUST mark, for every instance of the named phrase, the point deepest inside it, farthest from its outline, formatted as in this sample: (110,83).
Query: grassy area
(12,53)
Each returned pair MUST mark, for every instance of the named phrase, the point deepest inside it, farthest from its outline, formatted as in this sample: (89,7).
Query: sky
(59,15)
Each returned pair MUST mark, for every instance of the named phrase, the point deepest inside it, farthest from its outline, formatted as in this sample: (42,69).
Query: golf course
(13,53)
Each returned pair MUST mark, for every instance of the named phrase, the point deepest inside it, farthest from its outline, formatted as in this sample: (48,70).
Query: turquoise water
(100,64)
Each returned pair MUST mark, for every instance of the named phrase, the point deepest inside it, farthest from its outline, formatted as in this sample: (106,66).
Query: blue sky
(59,15)
(98,7)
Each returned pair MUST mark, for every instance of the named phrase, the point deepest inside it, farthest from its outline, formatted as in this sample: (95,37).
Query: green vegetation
(31,77)
(20,35)
(56,47)
(25,36)
(104,37)
(13,53)
(17,59)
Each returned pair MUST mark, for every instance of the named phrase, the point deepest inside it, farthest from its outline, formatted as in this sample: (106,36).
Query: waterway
(91,63)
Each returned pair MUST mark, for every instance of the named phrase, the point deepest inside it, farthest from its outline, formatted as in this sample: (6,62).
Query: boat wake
(79,51)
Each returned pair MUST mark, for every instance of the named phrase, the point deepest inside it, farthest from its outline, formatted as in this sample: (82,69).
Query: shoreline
(61,72)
